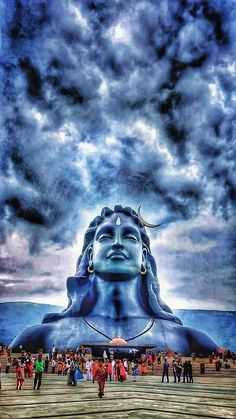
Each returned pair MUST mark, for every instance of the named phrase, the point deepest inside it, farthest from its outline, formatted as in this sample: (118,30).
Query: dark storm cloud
(4,266)
(15,288)
(101,103)
(25,275)
(11,265)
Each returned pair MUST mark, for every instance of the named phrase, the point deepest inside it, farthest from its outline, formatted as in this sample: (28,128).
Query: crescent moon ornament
(145,222)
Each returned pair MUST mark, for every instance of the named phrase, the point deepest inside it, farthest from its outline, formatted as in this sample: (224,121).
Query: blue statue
(115,292)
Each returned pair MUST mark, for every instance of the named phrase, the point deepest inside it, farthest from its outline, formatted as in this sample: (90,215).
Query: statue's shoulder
(200,341)
(195,333)
(188,332)
(70,330)
(184,339)
(32,338)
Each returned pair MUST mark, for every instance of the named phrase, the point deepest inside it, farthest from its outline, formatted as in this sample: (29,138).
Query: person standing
(101,377)
(20,375)
(134,367)
(8,364)
(113,362)
(122,372)
(30,368)
(165,372)
(118,370)
(82,363)
(126,366)
(105,356)
(174,366)
(89,365)
(60,367)
(53,366)
(109,369)
(151,360)
(53,351)
(63,355)
(46,364)
(39,366)
(143,368)
(94,368)
(190,372)
(185,371)
(78,375)
(71,373)
(179,367)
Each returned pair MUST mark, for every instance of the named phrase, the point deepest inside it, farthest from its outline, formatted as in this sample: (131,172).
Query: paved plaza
(210,396)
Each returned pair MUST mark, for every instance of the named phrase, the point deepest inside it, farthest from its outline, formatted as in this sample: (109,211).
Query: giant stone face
(117,248)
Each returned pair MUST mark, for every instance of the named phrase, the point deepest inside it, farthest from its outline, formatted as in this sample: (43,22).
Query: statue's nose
(117,242)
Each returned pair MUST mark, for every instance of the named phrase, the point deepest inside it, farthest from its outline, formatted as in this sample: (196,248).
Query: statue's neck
(118,299)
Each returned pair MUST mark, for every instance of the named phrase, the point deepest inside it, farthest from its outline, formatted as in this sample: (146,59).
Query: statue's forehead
(118,219)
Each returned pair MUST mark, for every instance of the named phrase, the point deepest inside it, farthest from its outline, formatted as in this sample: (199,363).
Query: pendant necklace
(145,330)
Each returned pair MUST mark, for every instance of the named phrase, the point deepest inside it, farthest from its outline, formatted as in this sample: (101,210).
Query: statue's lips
(117,256)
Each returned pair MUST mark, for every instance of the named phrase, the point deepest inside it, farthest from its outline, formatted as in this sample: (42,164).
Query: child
(60,367)
(135,371)
(143,369)
(30,368)
(20,375)
(78,375)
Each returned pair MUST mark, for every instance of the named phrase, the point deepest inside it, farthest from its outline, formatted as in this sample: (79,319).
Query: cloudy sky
(107,102)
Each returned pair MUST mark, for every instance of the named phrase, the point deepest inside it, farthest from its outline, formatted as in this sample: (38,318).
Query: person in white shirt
(89,365)
(126,367)
(105,355)
(53,366)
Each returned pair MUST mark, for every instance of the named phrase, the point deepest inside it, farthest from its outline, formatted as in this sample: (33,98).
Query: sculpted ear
(144,256)
(90,252)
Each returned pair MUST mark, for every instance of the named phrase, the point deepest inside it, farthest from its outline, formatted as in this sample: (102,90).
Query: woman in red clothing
(30,368)
(101,377)
(122,372)
(60,367)
(20,375)
(110,370)
(94,368)
(143,369)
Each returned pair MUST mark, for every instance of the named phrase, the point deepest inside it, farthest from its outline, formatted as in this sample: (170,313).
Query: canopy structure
(118,341)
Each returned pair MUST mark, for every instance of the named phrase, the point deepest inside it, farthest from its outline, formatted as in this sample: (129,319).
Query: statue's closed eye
(130,234)
(105,237)
(130,237)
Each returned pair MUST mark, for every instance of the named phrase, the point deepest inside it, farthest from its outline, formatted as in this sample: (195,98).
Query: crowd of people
(184,370)
(75,365)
